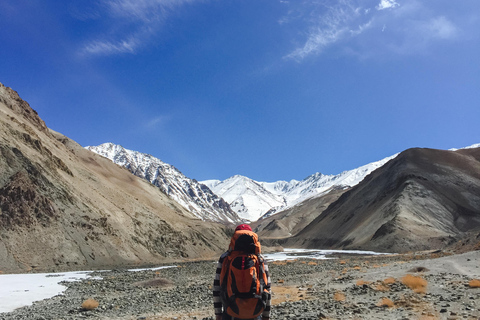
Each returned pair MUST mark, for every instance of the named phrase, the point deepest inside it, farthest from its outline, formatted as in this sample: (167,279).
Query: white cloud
(386,4)
(407,27)
(318,40)
(361,28)
(143,10)
(333,24)
(107,47)
(131,24)
(155,122)
(441,27)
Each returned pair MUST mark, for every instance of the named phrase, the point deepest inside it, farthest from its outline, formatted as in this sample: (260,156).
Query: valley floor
(350,287)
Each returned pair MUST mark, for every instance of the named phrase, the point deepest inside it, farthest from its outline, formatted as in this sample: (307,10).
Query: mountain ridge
(193,196)
(285,194)
(238,198)
(250,200)
(63,207)
(422,199)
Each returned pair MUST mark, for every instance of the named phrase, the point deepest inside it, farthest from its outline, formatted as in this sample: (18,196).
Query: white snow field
(20,290)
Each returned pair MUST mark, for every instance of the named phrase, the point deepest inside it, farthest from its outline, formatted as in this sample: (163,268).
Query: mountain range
(192,195)
(422,199)
(236,198)
(308,213)
(64,207)
(253,200)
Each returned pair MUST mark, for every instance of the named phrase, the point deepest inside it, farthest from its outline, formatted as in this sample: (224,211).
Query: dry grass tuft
(390,280)
(282,294)
(312,263)
(417,284)
(339,296)
(343,262)
(381,287)
(280,281)
(385,302)
(362,282)
(90,304)
(280,263)
(475,283)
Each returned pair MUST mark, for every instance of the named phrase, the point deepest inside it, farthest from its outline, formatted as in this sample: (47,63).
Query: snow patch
(20,290)
(292,254)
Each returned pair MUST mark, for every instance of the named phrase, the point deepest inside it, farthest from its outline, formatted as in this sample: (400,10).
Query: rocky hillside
(192,195)
(422,199)
(293,220)
(64,207)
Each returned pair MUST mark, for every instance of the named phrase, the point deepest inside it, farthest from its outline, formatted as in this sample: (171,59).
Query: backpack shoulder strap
(262,274)
(225,267)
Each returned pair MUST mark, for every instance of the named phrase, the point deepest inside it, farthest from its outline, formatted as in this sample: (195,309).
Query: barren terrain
(439,285)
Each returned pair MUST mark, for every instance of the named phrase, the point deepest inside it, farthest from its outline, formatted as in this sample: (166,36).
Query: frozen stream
(291,254)
(19,290)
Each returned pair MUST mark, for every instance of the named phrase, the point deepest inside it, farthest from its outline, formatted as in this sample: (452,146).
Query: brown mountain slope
(291,221)
(423,199)
(64,207)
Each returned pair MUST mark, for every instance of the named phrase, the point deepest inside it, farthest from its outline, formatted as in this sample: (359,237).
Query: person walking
(241,288)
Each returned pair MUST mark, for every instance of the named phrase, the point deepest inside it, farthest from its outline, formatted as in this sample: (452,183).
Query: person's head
(245,240)
(243,227)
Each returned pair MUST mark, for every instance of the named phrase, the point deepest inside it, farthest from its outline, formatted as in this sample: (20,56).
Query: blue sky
(269,89)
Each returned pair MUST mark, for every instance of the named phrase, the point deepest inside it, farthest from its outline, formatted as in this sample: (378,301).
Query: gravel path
(345,288)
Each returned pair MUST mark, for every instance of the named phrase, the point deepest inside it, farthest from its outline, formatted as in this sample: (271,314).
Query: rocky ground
(349,287)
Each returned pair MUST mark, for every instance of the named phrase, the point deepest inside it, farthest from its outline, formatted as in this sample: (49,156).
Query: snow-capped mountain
(249,198)
(252,199)
(477,145)
(194,196)
(236,198)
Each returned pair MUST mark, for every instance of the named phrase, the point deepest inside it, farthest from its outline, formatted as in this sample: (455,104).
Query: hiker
(241,289)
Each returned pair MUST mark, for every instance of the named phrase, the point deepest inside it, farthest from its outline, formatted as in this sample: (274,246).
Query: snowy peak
(237,197)
(246,197)
(195,197)
(252,199)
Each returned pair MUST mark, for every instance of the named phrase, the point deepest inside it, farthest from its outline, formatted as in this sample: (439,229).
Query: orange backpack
(243,278)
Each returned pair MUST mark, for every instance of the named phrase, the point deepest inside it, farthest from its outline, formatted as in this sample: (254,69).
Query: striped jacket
(217,301)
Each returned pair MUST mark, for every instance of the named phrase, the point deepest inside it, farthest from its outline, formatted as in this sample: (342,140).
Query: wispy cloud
(129,24)
(441,27)
(367,27)
(143,10)
(108,47)
(156,122)
(330,24)
(417,36)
